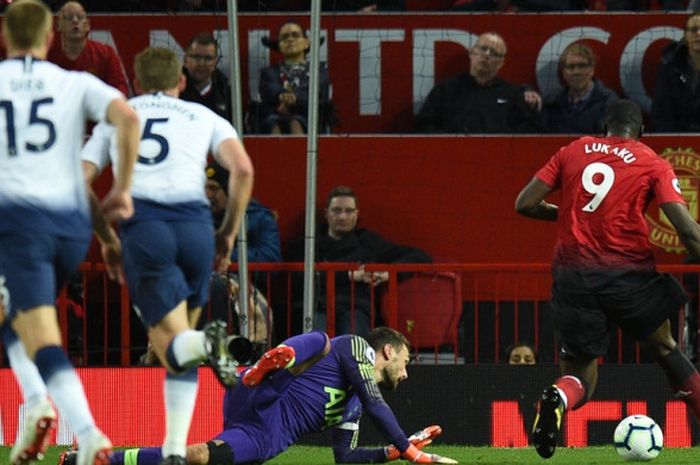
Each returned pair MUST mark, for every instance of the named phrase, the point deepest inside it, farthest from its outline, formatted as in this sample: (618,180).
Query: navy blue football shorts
(34,266)
(636,302)
(254,419)
(166,263)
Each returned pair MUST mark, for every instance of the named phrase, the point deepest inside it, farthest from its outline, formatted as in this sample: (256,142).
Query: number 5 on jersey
(149,134)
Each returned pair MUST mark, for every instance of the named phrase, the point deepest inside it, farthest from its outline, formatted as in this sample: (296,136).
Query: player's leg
(41,417)
(681,373)
(296,354)
(581,330)
(141,456)
(159,291)
(181,350)
(231,447)
(646,317)
(33,288)
(568,392)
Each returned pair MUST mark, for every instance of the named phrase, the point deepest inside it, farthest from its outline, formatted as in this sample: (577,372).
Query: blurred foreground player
(603,268)
(45,225)
(325,384)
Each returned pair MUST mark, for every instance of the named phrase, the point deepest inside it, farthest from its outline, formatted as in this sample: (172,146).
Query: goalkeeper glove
(415,455)
(420,439)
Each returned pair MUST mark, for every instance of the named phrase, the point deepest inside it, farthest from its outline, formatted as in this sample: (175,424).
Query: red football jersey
(606,186)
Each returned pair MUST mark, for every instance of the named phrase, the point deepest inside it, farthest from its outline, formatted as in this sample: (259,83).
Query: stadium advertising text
(370,57)
(127,403)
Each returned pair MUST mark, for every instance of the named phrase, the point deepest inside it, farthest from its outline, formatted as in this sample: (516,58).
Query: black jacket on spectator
(217,99)
(585,118)
(460,106)
(676,104)
(359,246)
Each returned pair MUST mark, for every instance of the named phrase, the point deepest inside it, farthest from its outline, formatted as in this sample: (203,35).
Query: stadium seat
(429,308)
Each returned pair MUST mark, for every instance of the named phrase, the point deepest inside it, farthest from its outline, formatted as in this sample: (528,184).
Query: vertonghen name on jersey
(623,153)
(167,105)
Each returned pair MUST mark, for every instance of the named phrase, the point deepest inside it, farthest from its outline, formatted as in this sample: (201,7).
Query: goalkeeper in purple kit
(308,384)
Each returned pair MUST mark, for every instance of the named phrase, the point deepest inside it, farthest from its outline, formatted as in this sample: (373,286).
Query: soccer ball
(638,438)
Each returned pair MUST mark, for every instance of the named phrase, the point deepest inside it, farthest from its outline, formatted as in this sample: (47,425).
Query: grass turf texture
(298,455)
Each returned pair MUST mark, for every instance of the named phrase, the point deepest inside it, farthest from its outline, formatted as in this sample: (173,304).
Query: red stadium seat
(429,308)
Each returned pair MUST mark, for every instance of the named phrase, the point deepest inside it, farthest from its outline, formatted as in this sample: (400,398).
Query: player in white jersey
(169,245)
(45,219)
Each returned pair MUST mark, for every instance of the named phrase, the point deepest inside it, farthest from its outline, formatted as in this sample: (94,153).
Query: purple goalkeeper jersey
(332,393)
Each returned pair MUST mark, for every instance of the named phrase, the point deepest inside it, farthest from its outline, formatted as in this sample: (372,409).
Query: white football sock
(180,395)
(189,348)
(26,373)
(67,392)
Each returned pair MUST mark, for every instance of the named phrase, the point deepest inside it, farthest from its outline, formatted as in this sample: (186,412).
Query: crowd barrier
(453,313)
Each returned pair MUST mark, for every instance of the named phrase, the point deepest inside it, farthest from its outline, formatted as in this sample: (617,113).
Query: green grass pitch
(304,455)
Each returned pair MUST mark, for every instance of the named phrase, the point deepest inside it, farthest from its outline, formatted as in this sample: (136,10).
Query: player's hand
(117,205)
(415,455)
(420,439)
(224,247)
(112,257)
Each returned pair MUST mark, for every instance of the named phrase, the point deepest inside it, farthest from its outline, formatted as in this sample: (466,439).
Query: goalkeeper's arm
(345,440)
(345,450)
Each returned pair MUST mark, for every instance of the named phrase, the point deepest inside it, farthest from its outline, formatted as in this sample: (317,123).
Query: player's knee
(213,453)
(660,345)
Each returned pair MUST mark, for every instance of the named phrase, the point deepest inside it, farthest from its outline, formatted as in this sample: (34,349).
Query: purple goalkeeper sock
(144,456)
(307,346)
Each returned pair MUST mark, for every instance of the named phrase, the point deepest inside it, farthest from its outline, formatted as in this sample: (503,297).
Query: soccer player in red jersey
(603,268)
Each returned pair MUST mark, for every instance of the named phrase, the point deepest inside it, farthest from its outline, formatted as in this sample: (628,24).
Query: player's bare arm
(110,245)
(531,203)
(687,228)
(233,157)
(117,204)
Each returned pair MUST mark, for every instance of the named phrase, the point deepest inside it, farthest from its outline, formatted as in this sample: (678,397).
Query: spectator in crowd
(579,106)
(480,102)
(284,86)
(262,230)
(342,241)
(263,239)
(676,101)
(206,84)
(522,353)
(73,50)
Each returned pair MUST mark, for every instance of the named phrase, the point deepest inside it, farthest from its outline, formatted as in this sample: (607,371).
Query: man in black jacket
(342,241)
(206,84)
(480,102)
(580,105)
(676,104)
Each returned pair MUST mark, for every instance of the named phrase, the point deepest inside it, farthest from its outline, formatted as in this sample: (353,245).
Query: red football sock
(684,379)
(573,389)
(689,392)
